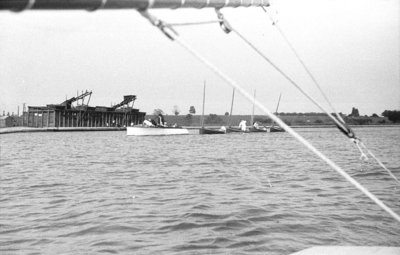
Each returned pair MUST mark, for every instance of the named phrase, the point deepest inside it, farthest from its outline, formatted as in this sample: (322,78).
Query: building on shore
(9,121)
(82,115)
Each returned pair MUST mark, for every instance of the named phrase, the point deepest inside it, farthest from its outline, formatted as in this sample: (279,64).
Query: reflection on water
(104,192)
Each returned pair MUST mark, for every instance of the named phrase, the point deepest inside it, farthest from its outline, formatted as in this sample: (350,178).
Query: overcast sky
(351,47)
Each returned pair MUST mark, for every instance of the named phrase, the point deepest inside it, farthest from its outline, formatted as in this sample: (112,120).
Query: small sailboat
(231,129)
(274,128)
(255,128)
(203,130)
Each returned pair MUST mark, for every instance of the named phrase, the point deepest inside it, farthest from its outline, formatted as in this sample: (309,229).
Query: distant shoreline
(12,130)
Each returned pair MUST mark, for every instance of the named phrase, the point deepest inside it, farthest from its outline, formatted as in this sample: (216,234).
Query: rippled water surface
(105,192)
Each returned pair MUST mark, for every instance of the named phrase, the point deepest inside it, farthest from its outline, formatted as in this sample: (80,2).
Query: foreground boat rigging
(169,32)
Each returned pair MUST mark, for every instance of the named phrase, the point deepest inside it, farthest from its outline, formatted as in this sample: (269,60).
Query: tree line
(391,115)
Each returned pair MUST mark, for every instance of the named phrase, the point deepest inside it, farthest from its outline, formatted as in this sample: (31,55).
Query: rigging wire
(341,125)
(360,145)
(379,162)
(316,83)
(175,37)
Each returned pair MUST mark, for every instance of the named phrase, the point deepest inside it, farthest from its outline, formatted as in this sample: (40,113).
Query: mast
(276,110)
(252,113)
(91,5)
(279,100)
(204,100)
(230,114)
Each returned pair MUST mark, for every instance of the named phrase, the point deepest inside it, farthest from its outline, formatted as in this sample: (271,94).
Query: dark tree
(354,112)
(192,110)
(393,116)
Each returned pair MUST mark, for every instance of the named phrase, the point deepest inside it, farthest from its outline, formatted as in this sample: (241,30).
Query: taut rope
(166,30)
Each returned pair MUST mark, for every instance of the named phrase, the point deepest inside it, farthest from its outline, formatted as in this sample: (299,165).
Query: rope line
(379,162)
(288,129)
(363,156)
(279,70)
(303,64)
(347,130)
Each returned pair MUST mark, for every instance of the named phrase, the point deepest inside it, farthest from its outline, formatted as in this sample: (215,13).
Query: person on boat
(153,122)
(160,120)
(223,128)
(242,125)
(256,125)
(148,123)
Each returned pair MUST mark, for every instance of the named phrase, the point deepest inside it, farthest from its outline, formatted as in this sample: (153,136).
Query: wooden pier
(66,115)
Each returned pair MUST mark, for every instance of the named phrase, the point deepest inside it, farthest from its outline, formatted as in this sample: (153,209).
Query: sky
(351,47)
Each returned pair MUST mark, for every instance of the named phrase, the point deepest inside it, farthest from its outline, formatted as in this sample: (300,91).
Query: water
(104,192)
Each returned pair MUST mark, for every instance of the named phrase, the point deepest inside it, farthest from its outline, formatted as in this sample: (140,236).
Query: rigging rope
(340,123)
(175,37)
(379,162)
(303,64)
(344,128)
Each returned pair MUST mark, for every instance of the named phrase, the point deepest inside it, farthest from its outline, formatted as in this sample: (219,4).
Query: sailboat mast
(252,113)
(204,101)
(279,100)
(230,113)
(276,110)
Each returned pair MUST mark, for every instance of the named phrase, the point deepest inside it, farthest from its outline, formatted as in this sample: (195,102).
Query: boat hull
(276,129)
(151,131)
(258,130)
(209,131)
(235,130)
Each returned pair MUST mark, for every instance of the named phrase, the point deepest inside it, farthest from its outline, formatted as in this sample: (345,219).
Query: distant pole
(230,114)
(252,113)
(18,111)
(277,107)
(23,114)
(204,100)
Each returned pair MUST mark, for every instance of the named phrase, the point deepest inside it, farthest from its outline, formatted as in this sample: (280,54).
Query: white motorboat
(144,130)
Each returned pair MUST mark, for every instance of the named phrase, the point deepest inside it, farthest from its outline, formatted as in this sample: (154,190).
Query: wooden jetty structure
(83,115)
